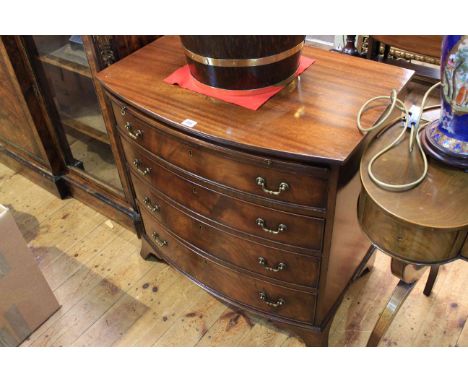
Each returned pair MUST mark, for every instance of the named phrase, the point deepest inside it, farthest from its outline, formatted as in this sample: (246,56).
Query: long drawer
(249,255)
(292,183)
(237,286)
(278,226)
(292,230)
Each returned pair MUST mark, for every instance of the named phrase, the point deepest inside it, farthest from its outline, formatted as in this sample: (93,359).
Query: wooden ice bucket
(242,62)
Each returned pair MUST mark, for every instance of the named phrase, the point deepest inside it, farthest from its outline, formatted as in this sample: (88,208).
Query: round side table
(425,226)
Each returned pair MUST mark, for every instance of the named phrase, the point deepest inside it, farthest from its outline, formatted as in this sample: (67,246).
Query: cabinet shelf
(67,58)
(87,123)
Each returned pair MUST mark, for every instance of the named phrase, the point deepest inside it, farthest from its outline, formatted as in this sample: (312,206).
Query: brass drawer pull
(160,242)
(263,296)
(123,110)
(282,187)
(150,205)
(281,227)
(134,134)
(279,267)
(138,165)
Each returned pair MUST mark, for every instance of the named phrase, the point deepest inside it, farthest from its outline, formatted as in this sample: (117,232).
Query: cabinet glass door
(71,87)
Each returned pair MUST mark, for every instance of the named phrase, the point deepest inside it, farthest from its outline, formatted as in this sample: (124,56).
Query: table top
(425,44)
(312,119)
(440,201)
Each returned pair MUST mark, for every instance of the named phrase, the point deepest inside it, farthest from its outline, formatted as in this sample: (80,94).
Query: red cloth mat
(249,99)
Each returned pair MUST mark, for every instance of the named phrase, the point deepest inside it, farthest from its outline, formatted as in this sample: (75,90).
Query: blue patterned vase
(447,138)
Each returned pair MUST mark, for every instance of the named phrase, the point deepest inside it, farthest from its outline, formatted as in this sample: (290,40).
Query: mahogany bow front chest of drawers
(256,207)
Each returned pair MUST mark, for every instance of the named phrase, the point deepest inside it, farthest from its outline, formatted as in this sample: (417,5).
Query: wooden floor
(111,297)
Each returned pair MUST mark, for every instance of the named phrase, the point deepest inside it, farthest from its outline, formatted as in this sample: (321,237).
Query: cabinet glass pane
(70,84)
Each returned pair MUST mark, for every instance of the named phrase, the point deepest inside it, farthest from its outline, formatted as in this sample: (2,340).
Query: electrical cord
(415,129)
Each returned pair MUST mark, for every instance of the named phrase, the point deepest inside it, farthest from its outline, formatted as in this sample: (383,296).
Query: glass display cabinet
(56,126)
(68,80)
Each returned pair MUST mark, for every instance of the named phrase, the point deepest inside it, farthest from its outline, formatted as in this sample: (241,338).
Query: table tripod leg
(367,263)
(399,295)
(431,280)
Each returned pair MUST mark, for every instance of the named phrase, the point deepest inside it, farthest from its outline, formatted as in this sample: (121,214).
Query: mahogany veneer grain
(312,119)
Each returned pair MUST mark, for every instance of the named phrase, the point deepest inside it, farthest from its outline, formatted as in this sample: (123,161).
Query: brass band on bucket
(234,92)
(243,62)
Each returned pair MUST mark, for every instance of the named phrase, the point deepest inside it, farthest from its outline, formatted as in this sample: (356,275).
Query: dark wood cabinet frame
(54,168)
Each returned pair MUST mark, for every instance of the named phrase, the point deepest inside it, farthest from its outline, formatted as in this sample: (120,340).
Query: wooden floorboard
(110,296)
(463,339)
(198,316)
(228,330)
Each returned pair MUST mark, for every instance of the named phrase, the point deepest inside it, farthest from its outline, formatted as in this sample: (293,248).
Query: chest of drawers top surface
(311,119)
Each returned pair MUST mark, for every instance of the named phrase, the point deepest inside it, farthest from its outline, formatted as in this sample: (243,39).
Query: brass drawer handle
(263,296)
(153,207)
(282,187)
(123,110)
(160,242)
(281,227)
(138,165)
(264,264)
(134,134)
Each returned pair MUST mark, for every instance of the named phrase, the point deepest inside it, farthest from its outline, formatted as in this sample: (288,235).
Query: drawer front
(406,241)
(297,231)
(281,265)
(259,294)
(303,185)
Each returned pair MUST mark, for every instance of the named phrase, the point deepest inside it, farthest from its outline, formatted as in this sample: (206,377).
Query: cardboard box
(26,300)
